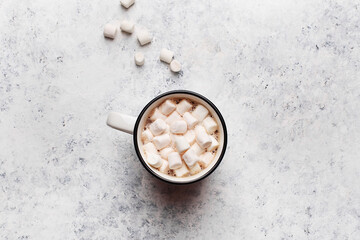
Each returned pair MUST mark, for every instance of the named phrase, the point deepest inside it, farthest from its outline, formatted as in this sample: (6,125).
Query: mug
(134,126)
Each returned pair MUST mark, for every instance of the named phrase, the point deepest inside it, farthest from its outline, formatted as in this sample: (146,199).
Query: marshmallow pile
(180,139)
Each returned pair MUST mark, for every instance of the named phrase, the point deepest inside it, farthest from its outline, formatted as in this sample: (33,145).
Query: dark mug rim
(151,171)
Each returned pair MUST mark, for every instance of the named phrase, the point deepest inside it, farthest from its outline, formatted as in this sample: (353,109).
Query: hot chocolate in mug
(135,126)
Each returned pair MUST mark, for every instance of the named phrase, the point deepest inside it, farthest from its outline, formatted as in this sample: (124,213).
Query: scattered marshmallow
(183,106)
(181,144)
(202,138)
(190,158)
(210,124)
(214,144)
(147,136)
(166,55)
(157,115)
(195,169)
(164,167)
(110,30)
(182,172)
(172,118)
(162,141)
(157,127)
(175,66)
(127,3)
(139,59)
(154,160)
(127,26)
(150,148)
(190,120)
(144,37)
(197,149)
(174,160)
(164,153)
(167,107)
(178,127)
(206,159)
(190,136)
(200,112)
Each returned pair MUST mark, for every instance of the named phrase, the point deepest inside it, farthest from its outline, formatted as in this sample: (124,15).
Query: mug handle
(122,122)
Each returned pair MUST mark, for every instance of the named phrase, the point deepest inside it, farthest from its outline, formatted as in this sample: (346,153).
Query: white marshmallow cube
(182,172)
(190,158)
(178,127)
(183,106)
(144,37)
(147,136)
(162,141)
(181,144)
(166,55)
(154,160)
(190,136)
(139,59)
(157,115)
(174,160)
(164,167)
(167,107)
(206,159)
(202,138)
(214,144)
(200,112)
(190,120)
(172,118)
(195,169)
(127,26)
(127,3)
(164,153)
(150,148)
(175,66)
(110,30)
(209,124)
(158,127)
(197,149)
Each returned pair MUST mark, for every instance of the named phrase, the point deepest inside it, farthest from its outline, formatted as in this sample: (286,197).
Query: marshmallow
(210,125)
(190,136)
(156,115)
(158,127)
(165,152)
(183,106)
(197,149)
(150,148)
(166,55)
(190,158)
(164,167)
(182,172)
(178,127)
(206,159)
(127,3)
(200,112)
(214,144)
(202,138)
(154,160)
(139,59)
(146,136)
(181,144)
(127,26)
(162,141)
(195,169)
(110,30)
(190,120)
(144,37)
(167,107)
(172,118)
(174,160)
(175,66)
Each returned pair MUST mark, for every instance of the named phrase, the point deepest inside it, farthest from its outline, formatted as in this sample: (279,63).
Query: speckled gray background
(285,74)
